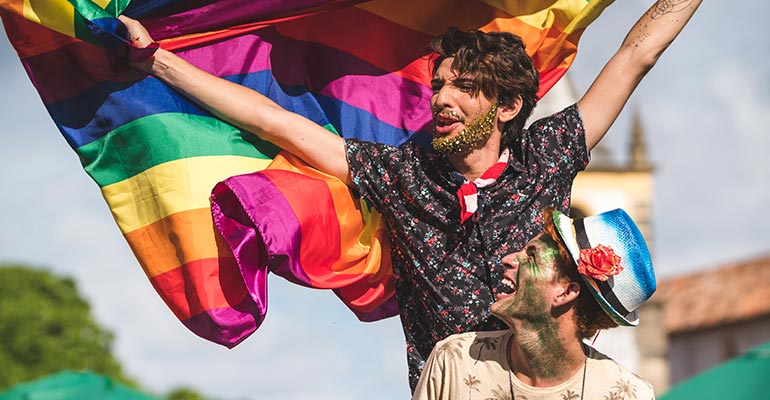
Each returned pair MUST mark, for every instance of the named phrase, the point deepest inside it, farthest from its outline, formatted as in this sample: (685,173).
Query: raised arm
(245,108)
(646,41)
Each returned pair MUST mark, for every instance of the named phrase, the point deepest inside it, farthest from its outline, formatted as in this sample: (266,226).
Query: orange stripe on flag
(331,194)
(176,240)
(433,17)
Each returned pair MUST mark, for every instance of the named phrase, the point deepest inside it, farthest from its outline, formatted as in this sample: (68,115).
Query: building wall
(643,349)
(597,191)
(695,352)
(652,341)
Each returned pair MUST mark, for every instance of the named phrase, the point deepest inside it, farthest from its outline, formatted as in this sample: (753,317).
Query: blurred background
(688,158)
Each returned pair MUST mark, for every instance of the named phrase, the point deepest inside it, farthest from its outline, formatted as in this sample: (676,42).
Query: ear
(508,112)
(568,293)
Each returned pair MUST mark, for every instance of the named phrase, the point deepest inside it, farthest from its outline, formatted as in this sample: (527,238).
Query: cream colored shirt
(474,365)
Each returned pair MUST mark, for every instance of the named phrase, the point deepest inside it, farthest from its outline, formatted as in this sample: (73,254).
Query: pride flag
(358,68)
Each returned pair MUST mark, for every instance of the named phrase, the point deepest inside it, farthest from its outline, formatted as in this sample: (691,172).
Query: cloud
(711,136)
(741,89)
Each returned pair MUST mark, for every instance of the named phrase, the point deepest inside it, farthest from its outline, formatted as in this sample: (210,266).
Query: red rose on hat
(599,263)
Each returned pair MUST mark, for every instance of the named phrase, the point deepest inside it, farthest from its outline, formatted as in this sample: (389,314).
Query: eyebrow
(462,80)
(455,82)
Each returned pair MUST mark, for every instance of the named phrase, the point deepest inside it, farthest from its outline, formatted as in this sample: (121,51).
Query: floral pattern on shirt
(447,273)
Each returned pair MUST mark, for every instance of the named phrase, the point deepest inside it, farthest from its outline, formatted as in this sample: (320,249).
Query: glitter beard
(475,132)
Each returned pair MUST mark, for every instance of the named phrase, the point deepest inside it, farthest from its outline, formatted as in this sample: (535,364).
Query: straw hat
(613,260)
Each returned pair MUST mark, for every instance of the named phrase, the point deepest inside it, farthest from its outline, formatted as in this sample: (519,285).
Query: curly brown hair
(499,67)
(589,316)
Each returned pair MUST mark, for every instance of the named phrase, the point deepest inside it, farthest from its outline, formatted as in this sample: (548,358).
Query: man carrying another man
(452,215)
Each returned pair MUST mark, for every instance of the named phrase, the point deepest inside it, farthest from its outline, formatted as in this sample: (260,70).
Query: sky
(706,110)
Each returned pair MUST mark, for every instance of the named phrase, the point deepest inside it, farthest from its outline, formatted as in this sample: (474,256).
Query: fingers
(137,34)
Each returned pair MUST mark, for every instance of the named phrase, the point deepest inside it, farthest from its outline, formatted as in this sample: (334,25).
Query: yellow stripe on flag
(172,187)
(54,14)
(539,14)
(101,3)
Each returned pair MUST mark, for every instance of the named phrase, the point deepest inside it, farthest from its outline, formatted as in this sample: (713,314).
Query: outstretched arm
(646,41)
(245,108)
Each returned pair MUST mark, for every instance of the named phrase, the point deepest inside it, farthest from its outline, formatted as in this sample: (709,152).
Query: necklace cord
(510,370)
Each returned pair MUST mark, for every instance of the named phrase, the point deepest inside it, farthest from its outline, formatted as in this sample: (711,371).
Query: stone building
(715,315)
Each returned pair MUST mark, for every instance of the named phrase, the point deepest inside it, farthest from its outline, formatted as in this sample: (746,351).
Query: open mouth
(508,289)
(445,122)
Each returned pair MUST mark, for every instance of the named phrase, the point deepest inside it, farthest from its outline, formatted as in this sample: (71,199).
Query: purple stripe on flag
(386,310)
(333,73)
(229,13)
(411,110)
(240,322)
(233,207)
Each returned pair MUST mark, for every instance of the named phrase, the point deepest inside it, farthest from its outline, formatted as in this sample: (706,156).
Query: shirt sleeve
(558,143)
(432,382)
(373,169)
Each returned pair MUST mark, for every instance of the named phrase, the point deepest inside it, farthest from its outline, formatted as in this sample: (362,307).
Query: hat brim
(566,229)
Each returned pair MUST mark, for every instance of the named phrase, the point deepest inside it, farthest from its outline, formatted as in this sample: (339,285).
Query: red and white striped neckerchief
(468,193)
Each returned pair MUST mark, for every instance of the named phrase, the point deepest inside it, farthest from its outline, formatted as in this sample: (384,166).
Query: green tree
(46,326)
(185,393)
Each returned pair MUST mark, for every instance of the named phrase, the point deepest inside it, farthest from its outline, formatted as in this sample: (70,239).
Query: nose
(511,261)
(442,98)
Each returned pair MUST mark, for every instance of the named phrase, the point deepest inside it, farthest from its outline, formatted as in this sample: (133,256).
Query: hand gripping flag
(357,68)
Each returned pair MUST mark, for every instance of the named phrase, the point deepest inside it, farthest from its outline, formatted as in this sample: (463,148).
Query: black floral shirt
(447,273)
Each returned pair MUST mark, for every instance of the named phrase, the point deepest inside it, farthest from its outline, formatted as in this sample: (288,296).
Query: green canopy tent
(746,377)
(68,385)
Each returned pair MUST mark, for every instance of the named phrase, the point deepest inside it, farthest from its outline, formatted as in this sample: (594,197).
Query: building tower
(605,185)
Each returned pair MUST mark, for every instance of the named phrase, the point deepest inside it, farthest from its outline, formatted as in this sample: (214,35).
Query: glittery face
(530,273)
(463,118)
(477,131)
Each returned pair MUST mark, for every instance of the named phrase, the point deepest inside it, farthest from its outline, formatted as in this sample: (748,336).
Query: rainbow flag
(358,68)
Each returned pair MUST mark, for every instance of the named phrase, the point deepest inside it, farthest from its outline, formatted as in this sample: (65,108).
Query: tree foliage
(46,326)
(185,393)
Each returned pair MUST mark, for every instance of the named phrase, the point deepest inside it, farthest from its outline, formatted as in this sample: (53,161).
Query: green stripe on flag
(160,138)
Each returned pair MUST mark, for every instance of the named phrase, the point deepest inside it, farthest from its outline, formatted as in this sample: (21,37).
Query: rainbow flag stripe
(355,67)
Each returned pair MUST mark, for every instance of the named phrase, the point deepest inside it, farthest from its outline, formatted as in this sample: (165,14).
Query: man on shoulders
(452,215)
(576,277)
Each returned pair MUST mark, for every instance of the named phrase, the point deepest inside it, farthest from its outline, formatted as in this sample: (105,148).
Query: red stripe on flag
(201,285)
